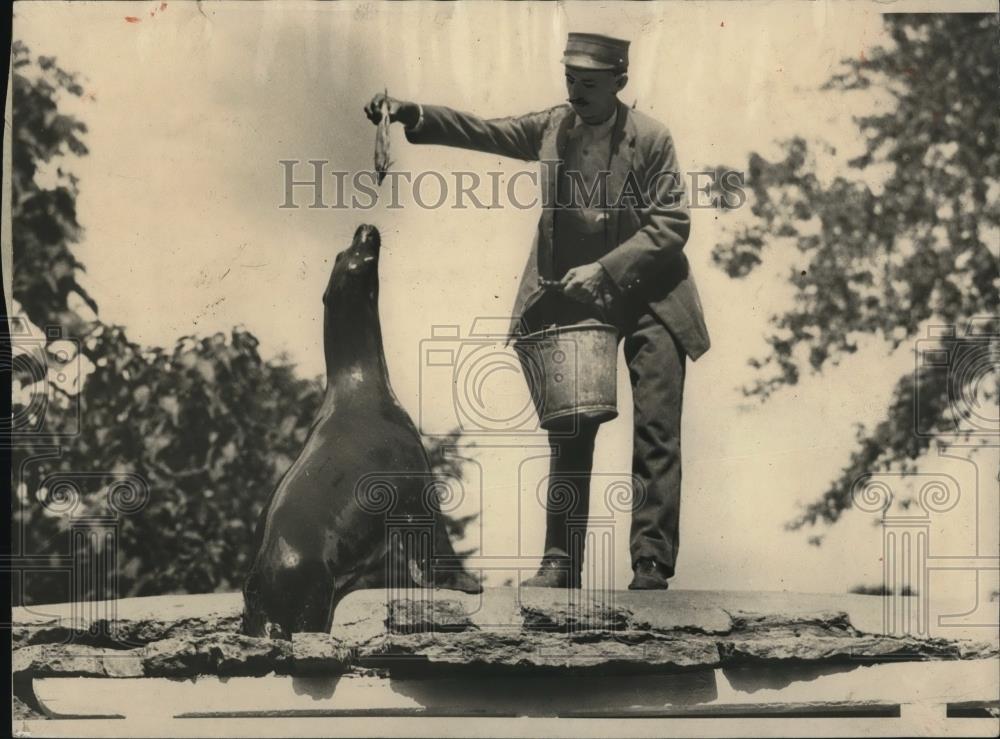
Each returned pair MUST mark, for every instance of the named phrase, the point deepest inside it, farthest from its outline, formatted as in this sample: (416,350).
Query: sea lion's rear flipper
(447,571)
(441,570)
(425,574)
(417,575)
(457,580)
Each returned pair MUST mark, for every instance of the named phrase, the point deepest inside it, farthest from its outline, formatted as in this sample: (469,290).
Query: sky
(191,109)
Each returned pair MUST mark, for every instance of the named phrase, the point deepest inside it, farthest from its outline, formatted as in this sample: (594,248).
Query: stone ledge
(222,653)
(502,629)
(129,622)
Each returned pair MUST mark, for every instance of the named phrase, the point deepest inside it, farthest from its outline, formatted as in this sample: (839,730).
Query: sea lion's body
(321,536)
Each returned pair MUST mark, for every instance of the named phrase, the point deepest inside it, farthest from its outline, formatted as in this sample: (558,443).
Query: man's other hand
(399,110)
(587,283)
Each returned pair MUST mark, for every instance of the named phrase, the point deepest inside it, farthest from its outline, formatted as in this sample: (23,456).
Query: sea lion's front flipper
(287,593)
(317,611)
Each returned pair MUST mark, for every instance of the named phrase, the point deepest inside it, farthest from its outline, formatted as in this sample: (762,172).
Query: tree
(205,429)
(447,463)
(44,225)
(180,445)
(888,259)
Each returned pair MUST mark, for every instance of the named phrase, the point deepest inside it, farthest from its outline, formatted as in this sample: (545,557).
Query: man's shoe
(649,575)
(553,573)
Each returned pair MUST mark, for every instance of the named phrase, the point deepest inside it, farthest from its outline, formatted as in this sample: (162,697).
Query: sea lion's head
(355,270)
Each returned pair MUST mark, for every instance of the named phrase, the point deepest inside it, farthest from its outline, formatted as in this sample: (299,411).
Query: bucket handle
(556,286)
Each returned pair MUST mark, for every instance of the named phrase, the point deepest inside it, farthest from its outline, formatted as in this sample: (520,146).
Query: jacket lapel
(551,154)
(621,162)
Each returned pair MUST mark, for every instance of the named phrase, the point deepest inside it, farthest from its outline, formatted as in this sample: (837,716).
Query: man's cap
(594,51)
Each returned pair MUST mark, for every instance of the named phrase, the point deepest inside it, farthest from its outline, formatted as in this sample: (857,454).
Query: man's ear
(621,80)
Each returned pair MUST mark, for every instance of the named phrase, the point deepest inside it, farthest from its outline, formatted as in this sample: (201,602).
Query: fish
(382,160)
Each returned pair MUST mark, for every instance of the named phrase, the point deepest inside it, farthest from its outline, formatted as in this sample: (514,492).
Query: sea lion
(337,520)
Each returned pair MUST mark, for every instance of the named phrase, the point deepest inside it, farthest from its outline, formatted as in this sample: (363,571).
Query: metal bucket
(572,373)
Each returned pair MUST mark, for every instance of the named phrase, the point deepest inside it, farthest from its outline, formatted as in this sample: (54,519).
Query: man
(618,260)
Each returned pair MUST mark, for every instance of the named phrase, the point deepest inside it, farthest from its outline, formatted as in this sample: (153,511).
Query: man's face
(592,93)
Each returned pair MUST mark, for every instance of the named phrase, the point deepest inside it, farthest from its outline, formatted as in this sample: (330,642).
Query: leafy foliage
(887,258)
(207,425)
(44,221)
(448,463)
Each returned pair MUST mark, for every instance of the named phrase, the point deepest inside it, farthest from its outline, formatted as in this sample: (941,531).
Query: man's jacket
(644,236)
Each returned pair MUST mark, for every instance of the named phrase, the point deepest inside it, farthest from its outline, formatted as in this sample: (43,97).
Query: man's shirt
(587,156)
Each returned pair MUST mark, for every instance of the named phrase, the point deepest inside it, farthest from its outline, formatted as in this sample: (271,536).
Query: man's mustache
(576,101)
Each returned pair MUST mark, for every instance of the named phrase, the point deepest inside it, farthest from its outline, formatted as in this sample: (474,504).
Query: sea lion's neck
(352,344)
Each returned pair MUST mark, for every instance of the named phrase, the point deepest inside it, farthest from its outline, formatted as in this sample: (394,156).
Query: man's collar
(623,129)
(598,128)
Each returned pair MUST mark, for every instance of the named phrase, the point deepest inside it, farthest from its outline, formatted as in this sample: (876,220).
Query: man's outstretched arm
(517,137)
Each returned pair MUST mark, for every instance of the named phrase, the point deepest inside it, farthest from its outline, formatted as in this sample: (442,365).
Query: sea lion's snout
(366,238)
(361,257)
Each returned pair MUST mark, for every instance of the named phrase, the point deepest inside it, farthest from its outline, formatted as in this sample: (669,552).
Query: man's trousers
(656,367)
